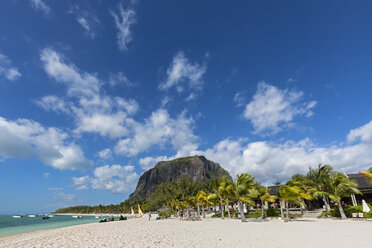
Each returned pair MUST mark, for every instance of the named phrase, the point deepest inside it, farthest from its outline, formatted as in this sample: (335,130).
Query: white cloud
(40,5)
(363,133)
(182,71)
(105,154)
(111,125)
(159,130)
(94,111)
(7,70)
(46,175)
(53,103)
(130,106)
(67,197)
(149,162)
(79,83)
(123,23)
(81,183)
(119,78)
(87,20)
(272,108)
(26,138)
(115,178)
(240,98)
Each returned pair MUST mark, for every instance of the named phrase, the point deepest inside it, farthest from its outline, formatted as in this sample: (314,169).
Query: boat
(17,216)
(31,215)
(50,215)
(45,217)
(76,216)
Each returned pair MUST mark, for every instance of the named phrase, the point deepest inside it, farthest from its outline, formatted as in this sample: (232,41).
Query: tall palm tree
(321,179)
(219,186)
(342,186)
(243,190)
(264,195)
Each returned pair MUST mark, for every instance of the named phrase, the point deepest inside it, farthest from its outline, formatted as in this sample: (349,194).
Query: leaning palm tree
(367,174)
(243,190)
(202,200)
(264,195)
(292,192)
(342,186)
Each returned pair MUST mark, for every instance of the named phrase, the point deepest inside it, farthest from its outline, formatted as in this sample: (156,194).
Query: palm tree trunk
(263,211)
(222,210)
(242,216)
(343,216)
(281,209)
(227,206)
(287,210)
(326,203)
(203,211)
(198,210)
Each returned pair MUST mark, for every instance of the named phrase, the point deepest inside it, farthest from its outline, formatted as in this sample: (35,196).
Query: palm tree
(219,186)
(368,174)
(292,192)
(203,200)
(342,186)
(243,190)
(264,195)
(321,179)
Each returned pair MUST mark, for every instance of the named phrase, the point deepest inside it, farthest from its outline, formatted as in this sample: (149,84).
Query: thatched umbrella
(163,208)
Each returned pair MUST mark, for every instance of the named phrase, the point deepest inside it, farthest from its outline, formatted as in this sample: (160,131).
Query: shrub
(335,212)
(166,214)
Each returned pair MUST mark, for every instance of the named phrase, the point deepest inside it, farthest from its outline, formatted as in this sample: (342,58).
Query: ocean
(10,226)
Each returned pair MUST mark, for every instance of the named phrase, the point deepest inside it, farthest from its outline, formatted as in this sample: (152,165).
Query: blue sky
(93,93)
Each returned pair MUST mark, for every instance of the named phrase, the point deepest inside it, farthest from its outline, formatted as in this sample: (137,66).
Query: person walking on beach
(149,216)
(181,214)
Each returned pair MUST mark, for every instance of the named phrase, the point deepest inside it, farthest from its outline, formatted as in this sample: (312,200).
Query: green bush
(335,212)
(166,214)
(271,212)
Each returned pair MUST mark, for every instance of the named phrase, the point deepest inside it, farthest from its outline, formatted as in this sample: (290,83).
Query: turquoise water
(10,226)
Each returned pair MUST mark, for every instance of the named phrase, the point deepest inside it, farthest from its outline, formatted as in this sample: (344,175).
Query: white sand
(206,233)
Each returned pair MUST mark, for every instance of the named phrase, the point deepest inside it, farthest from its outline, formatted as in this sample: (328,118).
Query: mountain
(196,167)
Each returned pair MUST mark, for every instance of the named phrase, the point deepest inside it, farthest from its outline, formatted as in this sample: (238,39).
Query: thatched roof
(163,208)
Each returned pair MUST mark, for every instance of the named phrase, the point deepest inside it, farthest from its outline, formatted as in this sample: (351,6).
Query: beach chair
(361,216)
(354,215)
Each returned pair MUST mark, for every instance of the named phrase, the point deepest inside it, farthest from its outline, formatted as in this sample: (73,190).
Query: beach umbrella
(131,211)
(366,209)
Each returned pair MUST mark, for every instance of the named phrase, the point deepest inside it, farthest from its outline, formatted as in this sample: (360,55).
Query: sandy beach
(206,233)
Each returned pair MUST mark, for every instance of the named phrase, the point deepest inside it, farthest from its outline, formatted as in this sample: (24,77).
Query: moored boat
(17,216)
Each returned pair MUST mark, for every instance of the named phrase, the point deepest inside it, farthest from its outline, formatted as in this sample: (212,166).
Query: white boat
(31,215)
(76,216)
(50,215)
(17,216)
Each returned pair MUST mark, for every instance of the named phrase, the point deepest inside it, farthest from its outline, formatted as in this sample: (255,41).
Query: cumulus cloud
(119,78)
(94,111)
(123,22)
(149,162)
(7,70)
(25,138)
(41,6)
(272,108)
(182,71)
(363,133)
(116,178)
(159,130)
(105,154)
